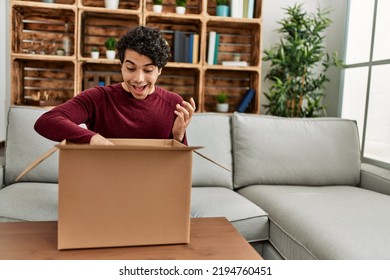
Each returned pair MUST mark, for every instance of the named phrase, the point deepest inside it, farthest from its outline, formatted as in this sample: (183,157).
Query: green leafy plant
(157,2)
(94,49)
(110,43)
(222,2)
(221,97)
(299,64)
(181,3)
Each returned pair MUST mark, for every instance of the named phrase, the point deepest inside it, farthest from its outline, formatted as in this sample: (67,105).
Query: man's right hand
(97,139)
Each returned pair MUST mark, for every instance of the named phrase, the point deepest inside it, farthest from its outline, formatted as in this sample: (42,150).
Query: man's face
(139,74)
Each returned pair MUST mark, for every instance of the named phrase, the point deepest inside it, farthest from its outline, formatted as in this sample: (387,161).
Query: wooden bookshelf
(37,29)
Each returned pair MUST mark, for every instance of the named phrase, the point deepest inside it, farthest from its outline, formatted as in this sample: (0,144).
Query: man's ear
(159,71)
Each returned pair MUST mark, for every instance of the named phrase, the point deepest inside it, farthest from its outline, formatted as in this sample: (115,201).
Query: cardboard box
(136,192)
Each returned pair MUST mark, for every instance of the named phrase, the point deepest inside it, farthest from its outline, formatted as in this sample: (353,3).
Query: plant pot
(110,54)
(111,4)
(222,11)
(222,107)
(95,55)
(49,1)
(60,52)
(157,8)
(180,10)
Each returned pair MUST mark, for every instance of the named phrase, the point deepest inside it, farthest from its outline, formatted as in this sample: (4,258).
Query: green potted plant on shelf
(110,44)
(181,6)
(222,105)
(222,8)
(95,53)
(157,6)
(299,64)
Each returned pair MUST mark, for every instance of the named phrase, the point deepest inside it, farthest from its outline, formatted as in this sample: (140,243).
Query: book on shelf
(216,48)
(178,46)
(242,8)
(236,8)
(185,47)
(246,100)
(251,9)
(235,63)
(211,47)
(195,48)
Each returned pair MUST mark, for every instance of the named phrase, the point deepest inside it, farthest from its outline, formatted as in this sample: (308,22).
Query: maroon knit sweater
(113,113)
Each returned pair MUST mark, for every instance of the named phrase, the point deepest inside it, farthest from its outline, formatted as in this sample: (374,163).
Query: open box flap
(137,144)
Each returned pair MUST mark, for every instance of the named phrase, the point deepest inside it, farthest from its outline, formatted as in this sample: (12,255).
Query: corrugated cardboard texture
(134,193)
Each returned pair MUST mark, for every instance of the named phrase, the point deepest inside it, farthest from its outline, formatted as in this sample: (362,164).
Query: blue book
(216,50)
(191,48)
(246,100)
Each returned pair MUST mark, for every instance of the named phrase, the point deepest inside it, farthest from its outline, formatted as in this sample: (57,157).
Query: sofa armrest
(375,178)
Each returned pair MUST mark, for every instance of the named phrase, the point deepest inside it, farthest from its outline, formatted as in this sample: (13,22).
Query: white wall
(4,66)
(273,12)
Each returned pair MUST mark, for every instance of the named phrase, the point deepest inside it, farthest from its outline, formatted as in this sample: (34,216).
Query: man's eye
(130,69)
(148,70)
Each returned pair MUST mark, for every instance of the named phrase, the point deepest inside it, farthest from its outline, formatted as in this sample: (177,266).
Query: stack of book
(242,8)
(185,47)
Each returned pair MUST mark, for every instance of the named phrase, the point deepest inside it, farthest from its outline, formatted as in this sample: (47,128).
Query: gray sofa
(297,189)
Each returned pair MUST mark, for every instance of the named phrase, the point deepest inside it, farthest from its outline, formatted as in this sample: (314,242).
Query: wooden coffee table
(210,238)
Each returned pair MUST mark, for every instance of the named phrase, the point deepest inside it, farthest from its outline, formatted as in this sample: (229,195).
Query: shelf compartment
(93,73)
(169,6)
(39,30)
(33,80)
(235,84)
(237,38)
(123,4)
(183,81)
(168,26)
(97,27)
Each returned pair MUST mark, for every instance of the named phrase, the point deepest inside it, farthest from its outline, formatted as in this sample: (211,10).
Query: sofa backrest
(24,145)
(213,132)
(295,151)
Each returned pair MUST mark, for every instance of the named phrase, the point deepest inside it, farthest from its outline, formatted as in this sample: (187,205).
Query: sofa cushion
(29,202)
(294,151)
(249,219)
(212,132)
(24,145)
(335,222)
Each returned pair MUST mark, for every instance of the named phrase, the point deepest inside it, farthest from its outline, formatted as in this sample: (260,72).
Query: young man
(134,108)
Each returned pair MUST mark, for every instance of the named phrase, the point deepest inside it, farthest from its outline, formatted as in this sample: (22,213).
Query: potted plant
(222,105)
(95,53)
(222,8)
(110,44)
(181,6)
(60,51)
(157,6)
(111,4)
(298,65)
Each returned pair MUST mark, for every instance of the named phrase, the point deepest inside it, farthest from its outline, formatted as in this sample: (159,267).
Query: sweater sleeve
(63,122)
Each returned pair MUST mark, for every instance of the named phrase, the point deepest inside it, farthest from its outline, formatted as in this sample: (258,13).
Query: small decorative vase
(110,54)
(157,8)
(111,4)
(180,10)
(95,55)
(222,11)
(222,107)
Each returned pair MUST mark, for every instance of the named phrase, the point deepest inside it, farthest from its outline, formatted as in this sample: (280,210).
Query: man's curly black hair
(147,41)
